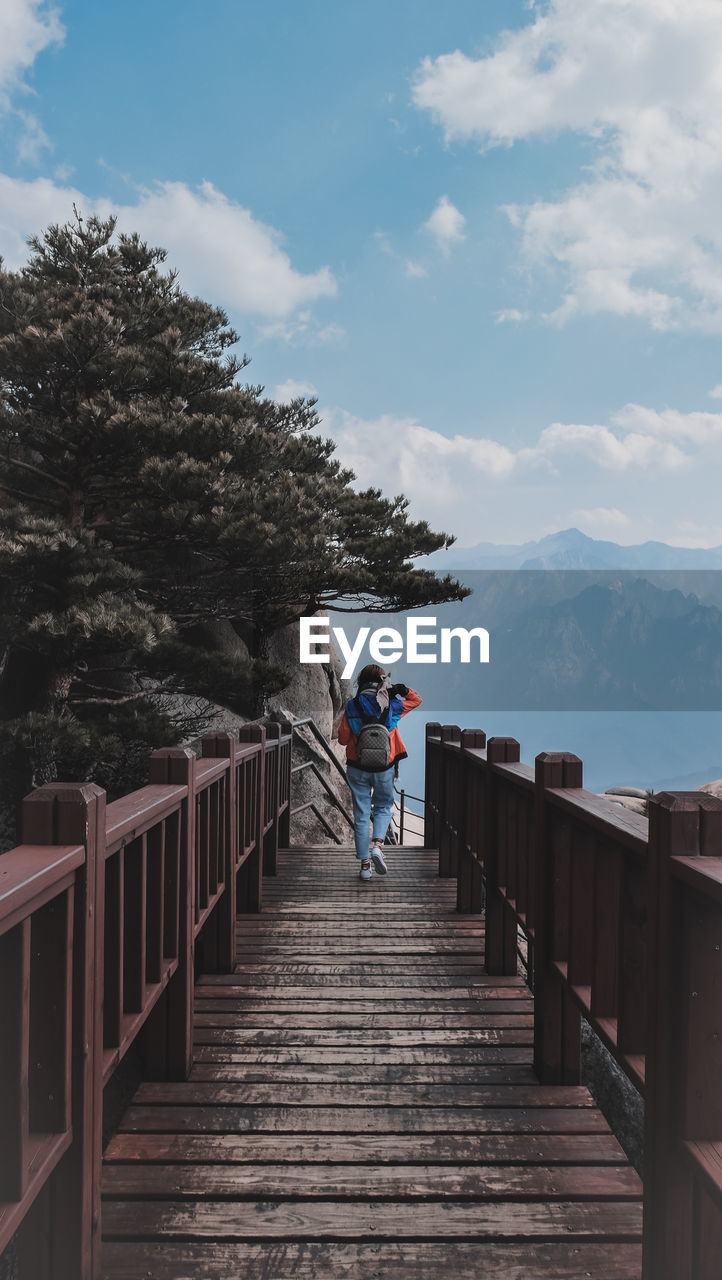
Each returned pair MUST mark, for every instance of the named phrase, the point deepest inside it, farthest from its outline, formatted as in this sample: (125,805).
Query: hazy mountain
(571,549)
(578,640)
(628,645)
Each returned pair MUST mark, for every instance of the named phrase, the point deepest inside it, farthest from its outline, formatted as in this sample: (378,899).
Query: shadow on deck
(362,1104)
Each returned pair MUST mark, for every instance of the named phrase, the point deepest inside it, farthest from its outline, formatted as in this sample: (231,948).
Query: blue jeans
(370,791)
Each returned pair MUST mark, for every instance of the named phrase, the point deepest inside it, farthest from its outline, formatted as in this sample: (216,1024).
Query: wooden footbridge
(355,1080)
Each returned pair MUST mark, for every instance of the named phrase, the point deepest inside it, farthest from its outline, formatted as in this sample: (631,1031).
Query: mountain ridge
(572,549)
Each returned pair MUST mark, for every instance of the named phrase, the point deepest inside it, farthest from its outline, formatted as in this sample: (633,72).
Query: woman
(377,702)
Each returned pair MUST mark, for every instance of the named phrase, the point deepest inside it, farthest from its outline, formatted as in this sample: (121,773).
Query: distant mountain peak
(572,549)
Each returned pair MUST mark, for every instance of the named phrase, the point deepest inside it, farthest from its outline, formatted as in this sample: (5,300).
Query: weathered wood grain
(366,1181)
(362,1105)
(423,1148)
(331,1220)
(411,1260)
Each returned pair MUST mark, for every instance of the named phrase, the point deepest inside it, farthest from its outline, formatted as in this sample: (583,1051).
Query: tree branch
(113,702)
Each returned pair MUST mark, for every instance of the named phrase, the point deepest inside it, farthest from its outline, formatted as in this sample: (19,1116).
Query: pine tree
(144,492)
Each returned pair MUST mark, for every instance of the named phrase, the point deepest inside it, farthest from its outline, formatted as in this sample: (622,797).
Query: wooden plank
(281,1000)
(14,1060)
(113,941)
(155,903)
(278,1157)
(134,925)
(439,1148)
(50,1052)
(31,875)
(402,1073)
(383,1035)
(131,815)
(295,1219)
(291,1022)
(195,1093)
(411,1260)
(366,1182)
(281,1119)
(356,999)
(374,1055)
(270,981)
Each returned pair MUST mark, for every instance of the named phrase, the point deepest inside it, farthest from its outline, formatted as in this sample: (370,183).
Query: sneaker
(378,860)
(365,872)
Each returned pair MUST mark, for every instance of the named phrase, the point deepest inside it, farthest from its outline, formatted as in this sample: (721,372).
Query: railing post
(557,1027)
(469,877)
(285,748)
(270,843)
(448,803)
(74,813)
(500,930)
(431,785)
(681,1084)
(250,887)
(223,745)
(402,810)
(171,1028)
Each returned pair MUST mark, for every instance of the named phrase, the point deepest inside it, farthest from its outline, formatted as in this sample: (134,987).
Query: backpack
(373,744)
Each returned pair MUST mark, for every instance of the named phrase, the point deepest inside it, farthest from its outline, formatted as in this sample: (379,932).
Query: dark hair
(371,674)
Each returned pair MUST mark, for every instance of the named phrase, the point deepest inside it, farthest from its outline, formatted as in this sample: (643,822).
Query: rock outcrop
(315,689)
(712,788)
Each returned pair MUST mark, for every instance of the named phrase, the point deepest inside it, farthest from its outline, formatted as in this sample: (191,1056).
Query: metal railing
(400,821)
(307,722)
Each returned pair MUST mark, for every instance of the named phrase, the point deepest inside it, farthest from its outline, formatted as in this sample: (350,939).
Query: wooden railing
(105,912)
(623,921)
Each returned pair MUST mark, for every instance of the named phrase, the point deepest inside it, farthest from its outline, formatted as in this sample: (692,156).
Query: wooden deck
(362,1105)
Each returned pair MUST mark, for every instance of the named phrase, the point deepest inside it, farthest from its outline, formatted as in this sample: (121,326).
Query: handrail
(409,796)
(103,915)
(308,722)
(622,916)
(320,738)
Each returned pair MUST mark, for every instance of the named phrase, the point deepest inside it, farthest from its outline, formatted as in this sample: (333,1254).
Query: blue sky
(486,237)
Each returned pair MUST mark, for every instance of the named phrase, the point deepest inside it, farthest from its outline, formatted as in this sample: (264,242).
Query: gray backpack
(373,745)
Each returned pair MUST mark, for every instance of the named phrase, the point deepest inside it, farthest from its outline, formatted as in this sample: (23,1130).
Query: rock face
(315,689)
(632,798)
(633,803)
(712,788)
(331,797)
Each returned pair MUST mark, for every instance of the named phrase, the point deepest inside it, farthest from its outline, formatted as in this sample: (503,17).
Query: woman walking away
(373,749)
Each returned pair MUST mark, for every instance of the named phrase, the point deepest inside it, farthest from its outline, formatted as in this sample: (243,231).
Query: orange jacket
(347,737)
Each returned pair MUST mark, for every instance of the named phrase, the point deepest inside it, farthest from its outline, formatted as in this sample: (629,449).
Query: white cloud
(696,428)
(640,235)
(223,252)
(33,139)
(603,448)
(638,439)
(415,270)
(696,533)
(291,390)
(716,392)
(510,315)
(594,520)
(446,224)
(26,28)
(646,472)
(301,330)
